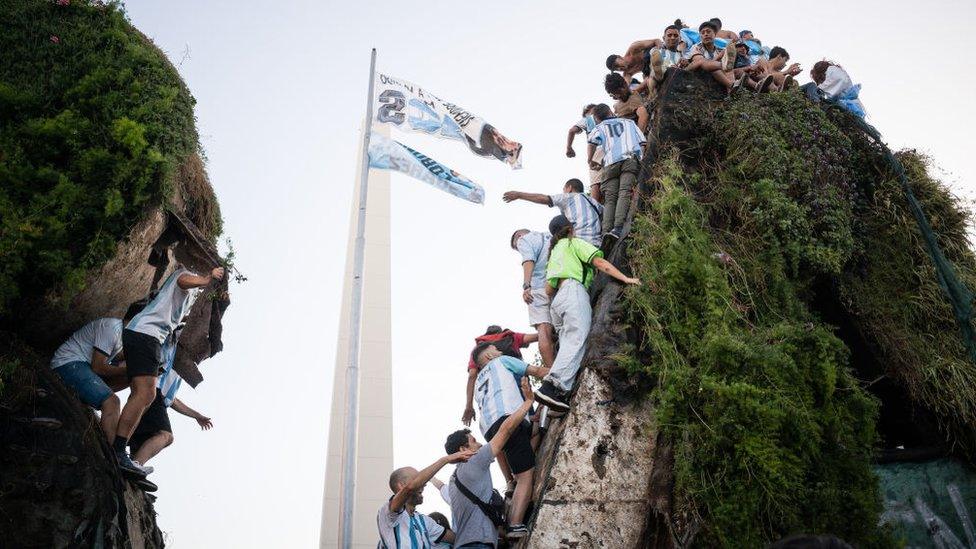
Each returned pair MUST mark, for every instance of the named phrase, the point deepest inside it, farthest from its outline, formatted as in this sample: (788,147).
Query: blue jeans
(80,377)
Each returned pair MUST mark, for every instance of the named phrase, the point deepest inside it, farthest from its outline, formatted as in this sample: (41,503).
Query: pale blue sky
(280,95)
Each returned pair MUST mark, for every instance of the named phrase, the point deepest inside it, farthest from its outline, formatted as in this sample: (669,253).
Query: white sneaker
(147,468)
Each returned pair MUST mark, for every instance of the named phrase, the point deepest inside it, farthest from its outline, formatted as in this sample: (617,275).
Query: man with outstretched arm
(473,528)
(583,211)
(397,521)
(142,341)
(632,61)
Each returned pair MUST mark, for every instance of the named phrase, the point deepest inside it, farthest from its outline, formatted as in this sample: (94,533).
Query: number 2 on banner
(428,121)
(392,108)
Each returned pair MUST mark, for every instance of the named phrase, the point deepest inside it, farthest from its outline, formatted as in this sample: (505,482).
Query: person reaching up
(584,211)
(585,126)
(572,262)
(621,142)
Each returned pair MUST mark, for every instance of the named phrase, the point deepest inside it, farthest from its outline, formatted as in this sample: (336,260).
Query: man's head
(672,35)
(718,23)
(573,186)
(484,353)
(440,519)
(399,480)
(746,35)
(461,440)
(778,57)
(741,48)
(516,236)
(707,32)
(602,112)
(616,86)
(615,63)
(493,329)
(588,109)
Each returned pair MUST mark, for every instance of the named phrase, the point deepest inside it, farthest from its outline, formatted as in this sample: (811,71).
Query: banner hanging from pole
(387,154)
(409,107)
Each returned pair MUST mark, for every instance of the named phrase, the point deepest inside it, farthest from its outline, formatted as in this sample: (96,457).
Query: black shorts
(154,420)
(143,354)
(518,449)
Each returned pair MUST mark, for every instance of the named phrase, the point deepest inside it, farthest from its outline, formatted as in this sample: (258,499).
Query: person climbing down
(629,104)
(837,85)
(84,363)
(707,56)
(472,480)
(621,143)
(584,211)
(569,273)
(585,125)
(508,342)
(533,246)
(154,432)
(142,341)
(398,520)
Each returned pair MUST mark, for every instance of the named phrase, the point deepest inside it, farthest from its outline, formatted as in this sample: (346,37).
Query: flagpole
(347,498)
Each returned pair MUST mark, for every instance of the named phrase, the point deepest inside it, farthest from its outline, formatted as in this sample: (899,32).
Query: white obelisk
(374,425)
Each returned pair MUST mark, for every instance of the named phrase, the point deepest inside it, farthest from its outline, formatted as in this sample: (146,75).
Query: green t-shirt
(572,258)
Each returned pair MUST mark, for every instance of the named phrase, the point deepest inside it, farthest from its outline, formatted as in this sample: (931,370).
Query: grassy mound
(95,124)
(775,212)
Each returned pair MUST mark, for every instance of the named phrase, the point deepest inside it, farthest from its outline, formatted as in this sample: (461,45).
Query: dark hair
(819,70)
(559,234)
(588,107)
(513,240)
(612,62)
(614,82)
(493,329)
(777,51)
(810,542)
(440,519)
(575,184)
(456,440)
(717,21)
(478,349)
(679,23)
(602,112)
(675,26)
(708,24)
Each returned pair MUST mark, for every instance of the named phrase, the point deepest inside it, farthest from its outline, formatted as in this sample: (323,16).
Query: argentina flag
(387,154)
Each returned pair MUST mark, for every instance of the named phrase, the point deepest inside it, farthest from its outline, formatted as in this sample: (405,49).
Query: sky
(280,90)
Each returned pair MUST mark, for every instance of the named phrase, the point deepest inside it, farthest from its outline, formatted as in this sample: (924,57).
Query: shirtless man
(775,69)
(722,33)
(632,62)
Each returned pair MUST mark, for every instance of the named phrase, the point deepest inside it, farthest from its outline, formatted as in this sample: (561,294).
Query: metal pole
(347,499)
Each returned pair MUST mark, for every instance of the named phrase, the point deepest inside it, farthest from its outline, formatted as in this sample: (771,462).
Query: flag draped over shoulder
(387,154)
(412,108)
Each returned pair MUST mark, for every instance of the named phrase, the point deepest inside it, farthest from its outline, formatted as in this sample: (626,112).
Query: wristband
(526,286)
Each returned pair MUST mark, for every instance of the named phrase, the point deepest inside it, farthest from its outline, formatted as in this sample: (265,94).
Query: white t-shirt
(163,314)
(103,335)
(836,81)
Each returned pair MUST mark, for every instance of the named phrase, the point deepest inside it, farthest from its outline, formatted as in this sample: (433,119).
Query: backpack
(494,509)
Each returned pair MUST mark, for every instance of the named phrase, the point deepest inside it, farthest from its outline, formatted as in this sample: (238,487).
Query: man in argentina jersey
(583,211)
(585,125)
(622,143)
(662,58)
(398,523)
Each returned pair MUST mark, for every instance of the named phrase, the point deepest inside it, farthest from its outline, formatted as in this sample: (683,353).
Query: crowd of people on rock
(558,266)
(136,352)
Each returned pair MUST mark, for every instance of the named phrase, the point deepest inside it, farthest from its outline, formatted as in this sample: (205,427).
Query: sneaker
(516,531)
(657,65)
(728,57)
(739,82)
(147,468)
(146,485)
(129,468)
(764,85)
(788,82)
(552,397)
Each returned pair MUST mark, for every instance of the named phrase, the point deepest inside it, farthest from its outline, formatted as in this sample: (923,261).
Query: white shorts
(596,176)
(539,308)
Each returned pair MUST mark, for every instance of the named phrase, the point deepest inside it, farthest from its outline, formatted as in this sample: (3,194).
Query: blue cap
(744,32)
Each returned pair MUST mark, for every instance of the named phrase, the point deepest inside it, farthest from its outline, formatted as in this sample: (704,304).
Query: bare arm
(527,267)
(423,477)
(512,196)
(468,414)
(573,132)
(512,422)
(590,151)
(101,366)
(607,267)
(639,46)
(202,420)
(189,281)
(437,483)
(643,117)
(530,338)
(448,536)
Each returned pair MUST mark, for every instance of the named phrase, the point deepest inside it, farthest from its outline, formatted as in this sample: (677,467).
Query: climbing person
(441,521)
(570,270)
(533,246)
(142,341)
(400,526)
(628,104)
(837,85)
(584,211)
(475,520)
(707,56)
(84,363)
(621,142)
(509,343)
(585,125)
(154,432)
(632,61)
(659,59)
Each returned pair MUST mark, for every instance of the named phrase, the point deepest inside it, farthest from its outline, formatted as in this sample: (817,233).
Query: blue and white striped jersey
(619,138)
(534,246)
(669,58)
(497,390)
(586,124)
(584,213)
(405,531)
(169,381)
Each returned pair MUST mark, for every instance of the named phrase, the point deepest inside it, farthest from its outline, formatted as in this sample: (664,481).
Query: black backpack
(494,509)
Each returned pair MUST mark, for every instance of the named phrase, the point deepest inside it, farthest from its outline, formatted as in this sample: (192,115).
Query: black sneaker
(552,397)
(129,468)
(516,531)
(765,84)
(146,485)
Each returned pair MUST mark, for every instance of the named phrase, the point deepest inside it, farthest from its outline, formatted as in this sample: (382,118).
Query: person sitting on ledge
(660,59)
(837,85)
(707,56)
(775,69)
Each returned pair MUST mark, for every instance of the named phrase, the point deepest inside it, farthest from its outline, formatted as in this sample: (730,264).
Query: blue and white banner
(412,108)
(387,154)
